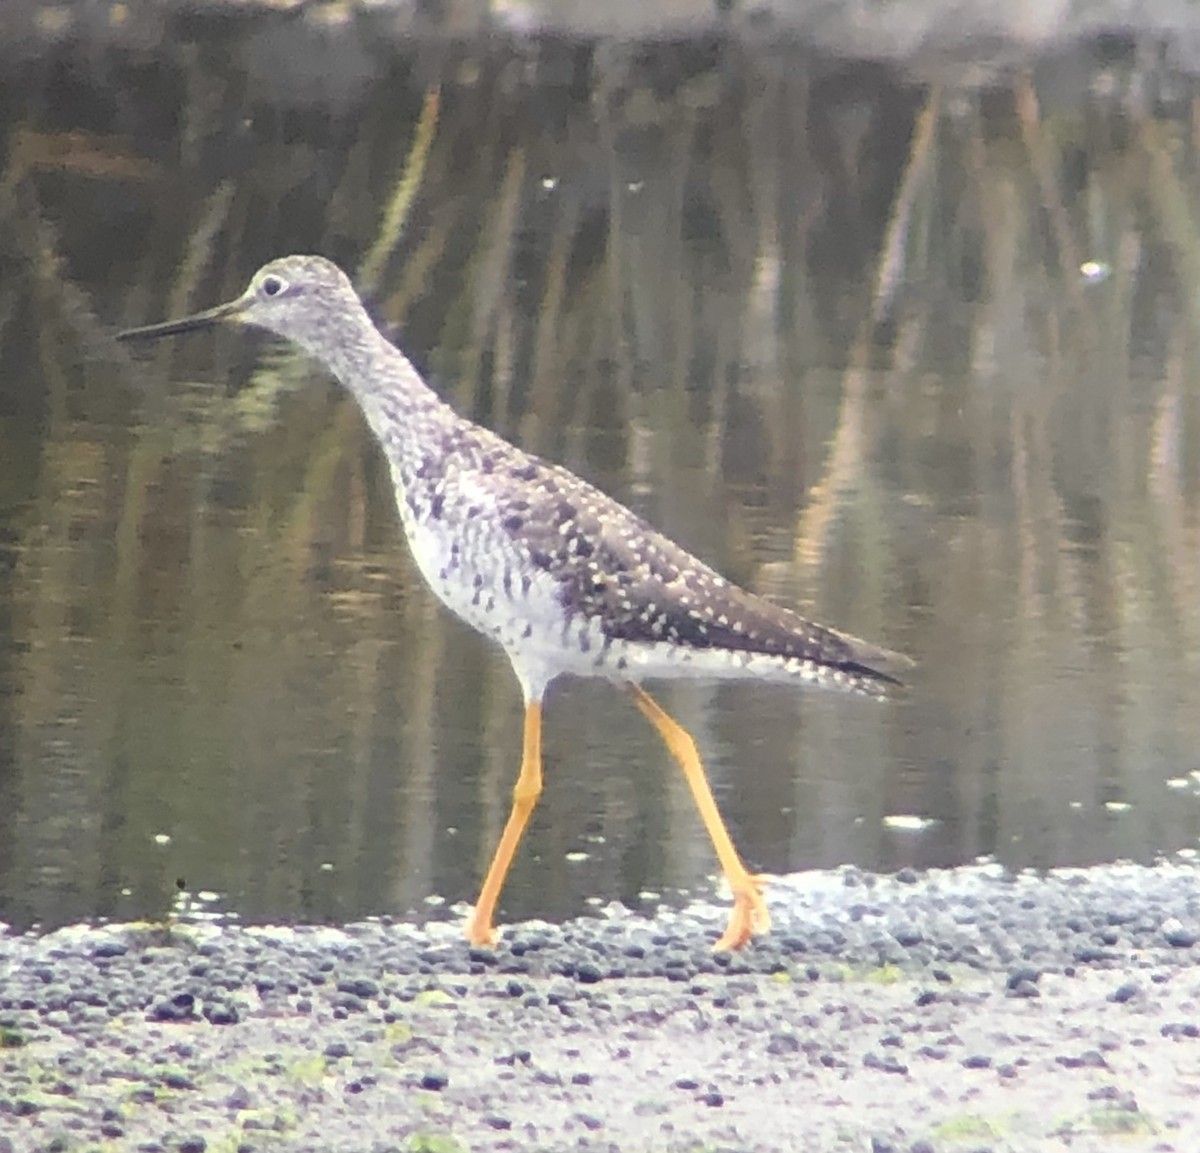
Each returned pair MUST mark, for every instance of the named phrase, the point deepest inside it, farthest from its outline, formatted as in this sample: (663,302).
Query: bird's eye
(272,286)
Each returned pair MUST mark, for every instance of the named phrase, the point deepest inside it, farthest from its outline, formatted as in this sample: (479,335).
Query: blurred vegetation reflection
(913,355)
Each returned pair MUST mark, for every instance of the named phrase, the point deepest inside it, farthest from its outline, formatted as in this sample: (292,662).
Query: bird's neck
(408,419)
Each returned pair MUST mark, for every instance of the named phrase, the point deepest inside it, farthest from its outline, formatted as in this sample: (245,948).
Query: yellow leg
(525,794)
(749,914)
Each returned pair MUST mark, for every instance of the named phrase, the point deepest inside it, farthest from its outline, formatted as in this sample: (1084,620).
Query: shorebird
(564,578)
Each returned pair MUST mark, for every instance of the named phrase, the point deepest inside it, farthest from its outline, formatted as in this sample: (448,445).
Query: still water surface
(913,357)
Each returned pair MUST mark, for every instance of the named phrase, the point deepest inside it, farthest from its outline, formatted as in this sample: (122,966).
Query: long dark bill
(204,319)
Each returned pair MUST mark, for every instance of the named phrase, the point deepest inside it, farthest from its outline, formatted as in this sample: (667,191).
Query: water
(835,330)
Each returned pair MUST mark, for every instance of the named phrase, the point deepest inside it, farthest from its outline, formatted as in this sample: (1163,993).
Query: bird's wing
(641,586)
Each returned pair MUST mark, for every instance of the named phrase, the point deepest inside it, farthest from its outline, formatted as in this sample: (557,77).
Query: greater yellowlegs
(562,577)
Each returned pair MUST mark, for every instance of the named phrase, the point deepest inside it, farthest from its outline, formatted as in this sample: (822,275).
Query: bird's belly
(479,574)
(492,586)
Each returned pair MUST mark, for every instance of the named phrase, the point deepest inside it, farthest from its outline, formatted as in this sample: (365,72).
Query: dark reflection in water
(917,359)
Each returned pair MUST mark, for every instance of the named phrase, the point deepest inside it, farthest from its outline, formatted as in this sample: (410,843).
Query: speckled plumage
(563,577)
(569,580)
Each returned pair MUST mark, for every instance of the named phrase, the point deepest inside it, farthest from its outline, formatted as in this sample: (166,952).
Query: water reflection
(831,329)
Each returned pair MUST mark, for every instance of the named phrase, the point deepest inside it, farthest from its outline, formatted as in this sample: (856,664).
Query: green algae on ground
(435,1143)
(884,974)
(428,998)
(1121,1123)
(966,1127)
(1111,1121)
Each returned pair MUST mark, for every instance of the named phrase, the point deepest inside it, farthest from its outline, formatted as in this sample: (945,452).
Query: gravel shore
(965,1009)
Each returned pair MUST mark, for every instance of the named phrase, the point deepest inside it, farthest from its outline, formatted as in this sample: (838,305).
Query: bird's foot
(748,916)
(480,932)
